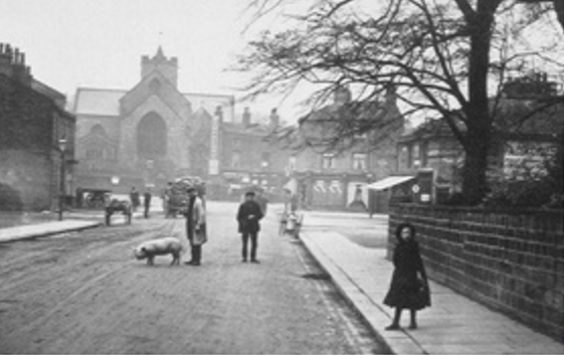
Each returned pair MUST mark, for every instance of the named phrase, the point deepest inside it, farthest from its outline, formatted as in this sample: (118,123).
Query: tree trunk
(479,120)
(559,8)
(474,184)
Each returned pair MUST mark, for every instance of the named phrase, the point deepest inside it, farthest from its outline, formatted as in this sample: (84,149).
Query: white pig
(163,246)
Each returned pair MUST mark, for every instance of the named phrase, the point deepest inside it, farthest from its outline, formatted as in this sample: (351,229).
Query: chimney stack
(274,118)
(12,64)
(246,117)
(219,114)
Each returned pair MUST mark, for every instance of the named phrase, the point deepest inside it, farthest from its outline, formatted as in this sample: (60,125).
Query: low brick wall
(512,261)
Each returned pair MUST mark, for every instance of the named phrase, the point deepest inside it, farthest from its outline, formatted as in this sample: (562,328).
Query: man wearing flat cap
(195,226)
(248,216)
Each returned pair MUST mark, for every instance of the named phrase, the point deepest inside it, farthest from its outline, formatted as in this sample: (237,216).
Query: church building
(149,134)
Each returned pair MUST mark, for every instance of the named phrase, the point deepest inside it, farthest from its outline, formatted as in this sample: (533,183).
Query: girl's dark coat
(406,289)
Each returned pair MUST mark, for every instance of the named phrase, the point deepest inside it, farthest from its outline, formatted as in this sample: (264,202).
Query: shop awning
(389,182)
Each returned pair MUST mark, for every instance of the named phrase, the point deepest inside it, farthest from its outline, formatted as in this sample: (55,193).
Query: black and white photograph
(282,177)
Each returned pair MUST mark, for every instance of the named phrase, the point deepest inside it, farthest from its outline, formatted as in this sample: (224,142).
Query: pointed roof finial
(160,53)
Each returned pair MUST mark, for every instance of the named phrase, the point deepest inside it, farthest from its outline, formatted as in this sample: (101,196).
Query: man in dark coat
(147,202)
(134,197)
(248,216)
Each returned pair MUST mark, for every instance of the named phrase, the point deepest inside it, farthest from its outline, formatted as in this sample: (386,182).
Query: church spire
(160,53)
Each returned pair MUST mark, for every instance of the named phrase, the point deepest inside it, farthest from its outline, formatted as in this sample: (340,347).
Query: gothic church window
(151,137)
(155,85)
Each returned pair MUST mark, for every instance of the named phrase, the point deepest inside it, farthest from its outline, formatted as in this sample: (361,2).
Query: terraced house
(33,122)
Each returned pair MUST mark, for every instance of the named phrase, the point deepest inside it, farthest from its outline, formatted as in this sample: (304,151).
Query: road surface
(84,293)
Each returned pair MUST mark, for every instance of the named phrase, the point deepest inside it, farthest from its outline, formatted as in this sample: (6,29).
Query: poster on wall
(357,195)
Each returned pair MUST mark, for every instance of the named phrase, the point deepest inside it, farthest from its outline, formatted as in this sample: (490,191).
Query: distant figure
(262,201)
(79,197)
(195,226)
(248,216)
(147,202)
(167,193)
(409,287)
(134,197)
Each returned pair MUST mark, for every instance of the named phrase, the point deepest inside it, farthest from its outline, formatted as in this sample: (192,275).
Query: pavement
(45,229)
(453,325)
(72,221)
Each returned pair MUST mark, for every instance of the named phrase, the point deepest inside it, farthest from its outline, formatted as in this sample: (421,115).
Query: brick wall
(512,261)
(30,175)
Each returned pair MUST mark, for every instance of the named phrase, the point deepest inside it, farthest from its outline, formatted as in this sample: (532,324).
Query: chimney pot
(219,113)
(246,117)
(274,118)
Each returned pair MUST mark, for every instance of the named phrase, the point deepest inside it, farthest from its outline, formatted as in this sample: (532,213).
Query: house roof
(41,95)
(515,118)
(254,129)
(106,102)
(102,102)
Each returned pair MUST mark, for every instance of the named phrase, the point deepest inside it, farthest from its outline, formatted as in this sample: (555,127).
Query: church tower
(167,67)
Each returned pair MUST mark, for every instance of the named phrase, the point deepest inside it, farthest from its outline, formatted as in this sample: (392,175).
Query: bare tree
(437,54)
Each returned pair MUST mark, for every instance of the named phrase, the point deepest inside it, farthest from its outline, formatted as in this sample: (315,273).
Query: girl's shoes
(392,327)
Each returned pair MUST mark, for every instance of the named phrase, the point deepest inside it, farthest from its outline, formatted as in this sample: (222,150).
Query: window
(403,157)
(151,137)
(292,163)
(236,159)
(94,154)
(328,161)
(265,160)
(415,156)
(359,161)
(155,85)
(423,152)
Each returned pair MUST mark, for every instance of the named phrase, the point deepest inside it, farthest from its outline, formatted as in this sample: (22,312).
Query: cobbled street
(84,292)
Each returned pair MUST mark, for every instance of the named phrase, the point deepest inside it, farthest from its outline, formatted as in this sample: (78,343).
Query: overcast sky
(99,43)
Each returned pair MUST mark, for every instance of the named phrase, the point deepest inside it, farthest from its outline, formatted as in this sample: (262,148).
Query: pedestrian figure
(134,197)
(167,195)
(248,216)
(195,226)
(79,197)
(147,202)
(409,288)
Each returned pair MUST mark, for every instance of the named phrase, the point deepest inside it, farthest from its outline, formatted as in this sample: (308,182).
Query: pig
(162,246)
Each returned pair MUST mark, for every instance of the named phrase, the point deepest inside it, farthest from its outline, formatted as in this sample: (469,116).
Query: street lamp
(62,146)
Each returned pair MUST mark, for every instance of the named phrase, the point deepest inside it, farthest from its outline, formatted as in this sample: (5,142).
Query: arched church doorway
(151,137)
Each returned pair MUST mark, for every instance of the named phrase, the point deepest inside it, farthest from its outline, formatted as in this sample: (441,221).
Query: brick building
(251,156)
(149,134)
(32,120)
(519,147)
(336,176)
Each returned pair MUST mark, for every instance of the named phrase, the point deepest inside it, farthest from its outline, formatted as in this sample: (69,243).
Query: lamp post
(62,146)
